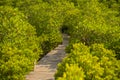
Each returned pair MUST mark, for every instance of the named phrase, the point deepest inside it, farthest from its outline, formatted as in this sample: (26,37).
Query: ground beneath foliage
(46,67)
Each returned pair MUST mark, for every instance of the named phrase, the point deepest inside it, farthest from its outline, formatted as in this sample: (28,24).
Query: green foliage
(71,17)
(94,63)
(19,3)
(6,2)
(18,45)
(49,41)
(113,4)
(95,23)
(72,72)
(22,36)
(47,20)
(116,46)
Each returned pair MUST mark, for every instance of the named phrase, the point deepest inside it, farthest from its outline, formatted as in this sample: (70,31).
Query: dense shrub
(46,19)
(113,4)
(92,63)
(47,22)
(49,41)
(72,72)
(95,23)
(110,36)
(18,44)
(88,21)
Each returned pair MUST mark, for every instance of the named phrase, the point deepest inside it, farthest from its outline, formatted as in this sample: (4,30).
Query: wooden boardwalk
(46,67)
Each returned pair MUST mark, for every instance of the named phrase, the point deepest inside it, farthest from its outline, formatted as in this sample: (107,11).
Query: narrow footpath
(46,67)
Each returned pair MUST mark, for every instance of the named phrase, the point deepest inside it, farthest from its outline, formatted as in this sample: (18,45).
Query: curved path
(46,67)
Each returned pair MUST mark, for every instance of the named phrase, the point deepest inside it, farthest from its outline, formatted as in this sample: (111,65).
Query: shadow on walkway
(46,67)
